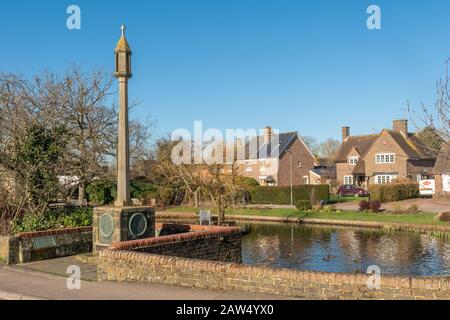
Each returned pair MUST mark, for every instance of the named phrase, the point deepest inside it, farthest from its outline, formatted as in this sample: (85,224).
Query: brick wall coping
(37,234)
(195,232)
(440,283)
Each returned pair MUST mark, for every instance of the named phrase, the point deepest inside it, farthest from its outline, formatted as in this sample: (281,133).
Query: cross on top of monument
(123,27)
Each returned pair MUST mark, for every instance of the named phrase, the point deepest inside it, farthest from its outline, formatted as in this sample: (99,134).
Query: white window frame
(299,164)
(262,165)
(384,178)
(353,160)
(348,180)
(382,158)
(248,166)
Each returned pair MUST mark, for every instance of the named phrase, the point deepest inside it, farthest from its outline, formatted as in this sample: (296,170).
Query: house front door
(360,181)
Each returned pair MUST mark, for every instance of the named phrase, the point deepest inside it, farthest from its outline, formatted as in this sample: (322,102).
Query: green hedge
(282,195)
(102,191)
(143,190)
(394,191)
(105,191)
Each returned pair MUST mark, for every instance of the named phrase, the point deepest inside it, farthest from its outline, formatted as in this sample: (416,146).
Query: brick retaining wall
(9,248)
(120,265)
(191,241)
(33,246)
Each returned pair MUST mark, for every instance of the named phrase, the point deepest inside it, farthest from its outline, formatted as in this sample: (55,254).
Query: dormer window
(353,160)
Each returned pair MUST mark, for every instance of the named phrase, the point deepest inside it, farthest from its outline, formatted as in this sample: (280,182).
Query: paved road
(425,205)
(28,281)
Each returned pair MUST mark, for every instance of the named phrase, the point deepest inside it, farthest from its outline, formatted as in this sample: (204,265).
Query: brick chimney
(401,126)
(345,133)
(268,133)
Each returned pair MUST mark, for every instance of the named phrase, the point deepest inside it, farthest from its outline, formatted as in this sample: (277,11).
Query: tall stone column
(123,149)
(122,221)
(123,73)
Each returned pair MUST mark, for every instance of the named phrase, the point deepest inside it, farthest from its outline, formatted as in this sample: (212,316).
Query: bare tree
(328,148)
(219,176)
(312,144)
(79,101)
(186,176)
(436,120)
(217,181)
(222,186)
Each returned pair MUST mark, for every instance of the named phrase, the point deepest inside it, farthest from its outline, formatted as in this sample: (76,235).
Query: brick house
(323,173)
(381,158)
(276,170)
(442,172)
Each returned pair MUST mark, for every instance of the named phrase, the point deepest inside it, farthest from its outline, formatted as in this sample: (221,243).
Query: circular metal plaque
(137,225)
(106,225)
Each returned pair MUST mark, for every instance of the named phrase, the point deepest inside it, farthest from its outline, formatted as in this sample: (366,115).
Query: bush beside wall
(54,218)
(394,191)
(282,195)
(104,191)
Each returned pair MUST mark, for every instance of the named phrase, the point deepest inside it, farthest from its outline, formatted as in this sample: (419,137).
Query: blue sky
(307,66)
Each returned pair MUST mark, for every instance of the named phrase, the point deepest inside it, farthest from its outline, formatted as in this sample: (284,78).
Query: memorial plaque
(106,228)
(137,225)
(44,242)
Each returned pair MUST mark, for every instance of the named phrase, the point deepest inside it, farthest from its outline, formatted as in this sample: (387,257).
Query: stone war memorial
(241,237)
(122,221)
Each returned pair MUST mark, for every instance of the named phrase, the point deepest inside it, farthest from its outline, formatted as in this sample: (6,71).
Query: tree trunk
(82,194)
(189,198)
(221,216)
(196,196)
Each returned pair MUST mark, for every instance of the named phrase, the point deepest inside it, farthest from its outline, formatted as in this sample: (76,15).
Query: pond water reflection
(345,249)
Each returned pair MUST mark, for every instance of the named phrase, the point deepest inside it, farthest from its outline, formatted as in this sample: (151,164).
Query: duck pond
(344,249)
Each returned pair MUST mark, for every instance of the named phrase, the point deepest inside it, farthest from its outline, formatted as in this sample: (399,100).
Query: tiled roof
(284,140)
(423,166)
(325,171)
(442,165)
(414,147)
(361,144)
(360,167)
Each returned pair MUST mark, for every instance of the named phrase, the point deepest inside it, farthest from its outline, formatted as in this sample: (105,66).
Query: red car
(351,190)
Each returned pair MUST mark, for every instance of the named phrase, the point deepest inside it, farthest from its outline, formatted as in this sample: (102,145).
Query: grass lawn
(419,218)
